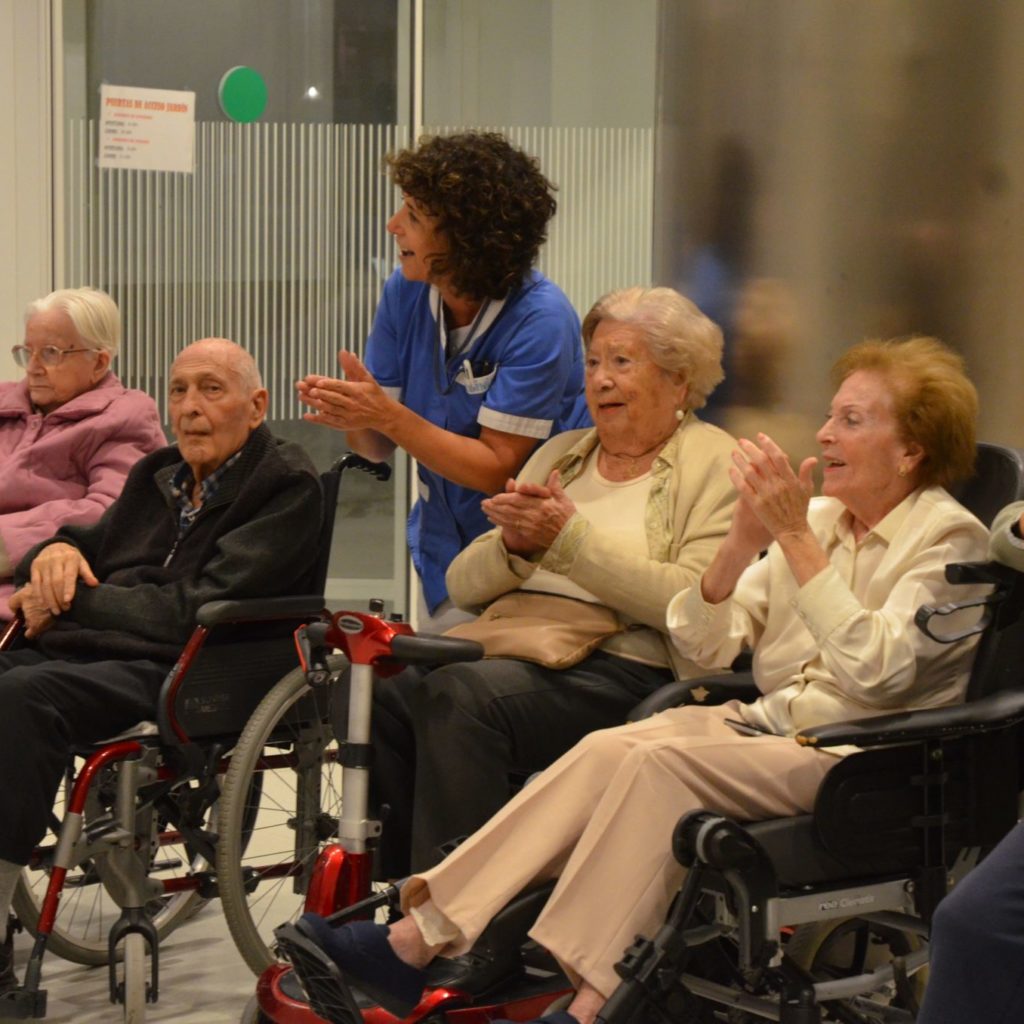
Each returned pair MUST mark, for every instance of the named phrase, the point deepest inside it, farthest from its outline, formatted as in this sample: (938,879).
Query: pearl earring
(680,414)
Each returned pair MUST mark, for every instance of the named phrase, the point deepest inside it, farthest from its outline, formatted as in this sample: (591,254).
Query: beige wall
(26,257)
(884,143)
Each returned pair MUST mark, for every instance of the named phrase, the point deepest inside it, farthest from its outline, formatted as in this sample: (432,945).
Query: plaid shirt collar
(181,487)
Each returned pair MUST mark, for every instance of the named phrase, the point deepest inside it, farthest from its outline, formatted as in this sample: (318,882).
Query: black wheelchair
(826,916)
(137,842)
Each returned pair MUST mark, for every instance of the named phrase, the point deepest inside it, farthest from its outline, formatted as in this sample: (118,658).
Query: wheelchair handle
(924,615)
(369,639)
(432,649)
(350,460)
(14,629)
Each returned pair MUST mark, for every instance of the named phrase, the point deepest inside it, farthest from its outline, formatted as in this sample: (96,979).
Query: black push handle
(431,649)
(350,460)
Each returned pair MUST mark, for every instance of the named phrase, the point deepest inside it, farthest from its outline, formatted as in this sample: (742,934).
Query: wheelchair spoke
(282,802)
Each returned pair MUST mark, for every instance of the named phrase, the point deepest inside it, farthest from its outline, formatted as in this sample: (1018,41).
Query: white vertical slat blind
(278,239)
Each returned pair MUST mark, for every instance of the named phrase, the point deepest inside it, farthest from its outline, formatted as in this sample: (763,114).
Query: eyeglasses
(48,355)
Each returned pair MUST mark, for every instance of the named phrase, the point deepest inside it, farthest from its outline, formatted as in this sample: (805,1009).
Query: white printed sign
(146,129)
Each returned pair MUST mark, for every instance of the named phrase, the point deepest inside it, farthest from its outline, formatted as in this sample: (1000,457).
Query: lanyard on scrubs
(440,371)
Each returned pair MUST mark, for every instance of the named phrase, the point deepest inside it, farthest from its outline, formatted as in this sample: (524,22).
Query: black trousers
(47,708)
(446,740)
(977,950)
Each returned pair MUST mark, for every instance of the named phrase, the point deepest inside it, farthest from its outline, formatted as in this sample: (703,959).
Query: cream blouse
(844,645)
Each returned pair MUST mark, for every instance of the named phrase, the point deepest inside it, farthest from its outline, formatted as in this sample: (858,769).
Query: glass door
(276,238)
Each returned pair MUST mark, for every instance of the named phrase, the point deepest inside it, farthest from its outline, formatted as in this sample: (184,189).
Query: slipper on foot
(319,977)
(365,958)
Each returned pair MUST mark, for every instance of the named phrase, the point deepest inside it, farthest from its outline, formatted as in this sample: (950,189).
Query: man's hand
(36,615)
(55,574)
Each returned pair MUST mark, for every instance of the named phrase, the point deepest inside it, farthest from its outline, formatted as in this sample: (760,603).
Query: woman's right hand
(746,531)
(771,500)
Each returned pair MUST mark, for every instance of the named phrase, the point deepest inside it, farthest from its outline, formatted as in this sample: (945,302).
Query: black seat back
(214,689)
(998,479)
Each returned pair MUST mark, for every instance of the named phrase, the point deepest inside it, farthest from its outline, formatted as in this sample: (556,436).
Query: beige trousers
(600,819)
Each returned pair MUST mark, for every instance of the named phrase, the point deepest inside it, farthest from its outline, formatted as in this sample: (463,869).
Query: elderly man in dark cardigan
(229,512)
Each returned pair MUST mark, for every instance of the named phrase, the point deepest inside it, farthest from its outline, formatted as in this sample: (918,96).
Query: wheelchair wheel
(279,806)
(251,1013)
(133,983)
(842,948)
(89,903)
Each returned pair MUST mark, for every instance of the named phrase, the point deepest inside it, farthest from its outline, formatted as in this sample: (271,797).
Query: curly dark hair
(492,204)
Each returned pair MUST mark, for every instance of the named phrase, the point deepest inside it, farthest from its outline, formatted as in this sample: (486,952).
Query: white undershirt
(617,508)
(614,507)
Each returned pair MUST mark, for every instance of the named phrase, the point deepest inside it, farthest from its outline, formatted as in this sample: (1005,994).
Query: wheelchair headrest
(998,479)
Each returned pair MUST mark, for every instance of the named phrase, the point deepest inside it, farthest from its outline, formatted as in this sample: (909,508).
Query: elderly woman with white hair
(70,430)
(591,541)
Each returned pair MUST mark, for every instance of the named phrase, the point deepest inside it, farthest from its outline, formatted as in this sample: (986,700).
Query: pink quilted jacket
(68,466)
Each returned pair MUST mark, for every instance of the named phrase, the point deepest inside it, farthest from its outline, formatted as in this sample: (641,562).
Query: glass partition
(277,238)
(573,83)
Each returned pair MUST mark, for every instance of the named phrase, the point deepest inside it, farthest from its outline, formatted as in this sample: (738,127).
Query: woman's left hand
(530,516)
(765,481)
(356,403)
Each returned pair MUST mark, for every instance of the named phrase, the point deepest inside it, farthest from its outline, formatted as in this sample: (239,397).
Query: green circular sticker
(243,94)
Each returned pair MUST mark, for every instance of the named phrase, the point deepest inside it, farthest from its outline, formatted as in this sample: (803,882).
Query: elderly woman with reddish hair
(829,612)
(70,430)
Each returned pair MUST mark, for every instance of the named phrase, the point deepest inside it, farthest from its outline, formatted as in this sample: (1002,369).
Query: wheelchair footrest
(23,1004)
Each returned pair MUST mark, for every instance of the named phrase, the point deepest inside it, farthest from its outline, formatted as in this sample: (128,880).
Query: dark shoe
(360,955)
(325,988)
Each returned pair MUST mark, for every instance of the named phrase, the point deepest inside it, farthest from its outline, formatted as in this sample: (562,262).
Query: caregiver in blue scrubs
(474,357)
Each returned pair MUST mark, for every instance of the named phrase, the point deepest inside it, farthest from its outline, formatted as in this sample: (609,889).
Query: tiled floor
(203,980)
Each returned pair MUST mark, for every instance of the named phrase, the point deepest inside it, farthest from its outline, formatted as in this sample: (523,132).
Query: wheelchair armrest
(981,572)
(997,711)
(706,690)
(260,609)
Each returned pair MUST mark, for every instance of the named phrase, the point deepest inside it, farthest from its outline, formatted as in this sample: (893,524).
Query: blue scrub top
(521,373)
